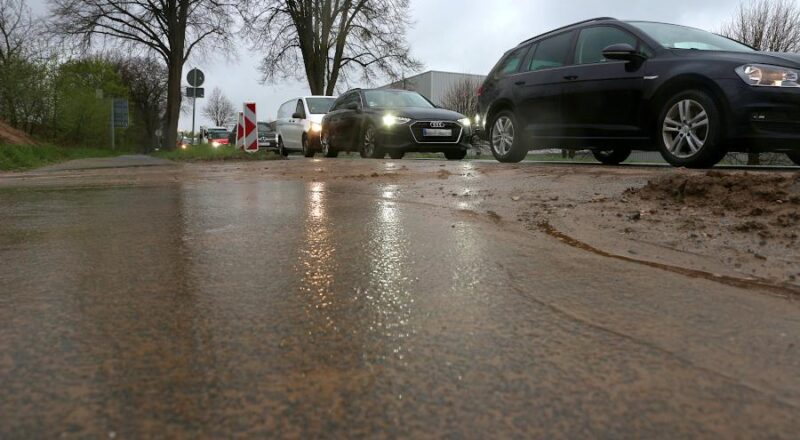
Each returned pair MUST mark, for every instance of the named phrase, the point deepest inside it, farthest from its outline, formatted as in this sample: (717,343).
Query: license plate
(436,132)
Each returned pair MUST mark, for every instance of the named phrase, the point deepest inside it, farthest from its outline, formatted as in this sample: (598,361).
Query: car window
(300,108)
(551,52)
(592,41)
(285,110)
(511,63)
(319,106)
(395,99)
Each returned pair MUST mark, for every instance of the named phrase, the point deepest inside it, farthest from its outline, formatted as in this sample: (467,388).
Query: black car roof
(570,26)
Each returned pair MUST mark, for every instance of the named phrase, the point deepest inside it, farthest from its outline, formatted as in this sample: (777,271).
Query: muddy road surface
(378,299)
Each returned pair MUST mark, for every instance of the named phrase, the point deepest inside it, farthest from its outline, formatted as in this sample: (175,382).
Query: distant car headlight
(215,144)
(465,122)
(768,76)
(315,127)
(390,120)
(183,146)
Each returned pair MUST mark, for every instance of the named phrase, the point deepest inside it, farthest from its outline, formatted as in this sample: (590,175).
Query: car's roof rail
(591,20)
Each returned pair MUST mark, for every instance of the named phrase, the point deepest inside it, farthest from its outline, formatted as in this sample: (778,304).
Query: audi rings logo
(437,124)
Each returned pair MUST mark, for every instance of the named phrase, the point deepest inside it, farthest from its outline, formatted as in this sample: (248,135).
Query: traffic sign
(195,92)
(196,78)
(120,113)
(250,128)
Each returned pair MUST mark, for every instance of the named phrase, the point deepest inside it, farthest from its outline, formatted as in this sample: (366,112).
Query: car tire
(455,155)
(369,144)
(505,138)
(396,155)
(794,156)
(282,149)
(327,147)
(689,131)
(612,157)
(307,150)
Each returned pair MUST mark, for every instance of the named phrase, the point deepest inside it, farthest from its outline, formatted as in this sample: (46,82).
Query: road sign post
(119,118)
(196,78)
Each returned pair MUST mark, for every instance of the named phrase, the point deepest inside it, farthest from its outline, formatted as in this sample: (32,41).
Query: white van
(300,122)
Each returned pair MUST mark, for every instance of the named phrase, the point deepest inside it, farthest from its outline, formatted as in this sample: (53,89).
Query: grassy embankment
(26,157)
(205,152)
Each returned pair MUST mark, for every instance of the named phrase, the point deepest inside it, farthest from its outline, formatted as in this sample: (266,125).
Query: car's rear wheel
(455,155)
(690,131)
(282,148)
(794,156)
(327,146)
(612,157)
(369,144)
(396,155)
(307,150)
(505,138)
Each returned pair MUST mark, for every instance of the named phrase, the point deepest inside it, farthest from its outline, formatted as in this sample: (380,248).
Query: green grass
(26,157)
(206,153)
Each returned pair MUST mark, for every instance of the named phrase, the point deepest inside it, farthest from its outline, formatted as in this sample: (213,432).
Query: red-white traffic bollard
(240,132)
(250,128)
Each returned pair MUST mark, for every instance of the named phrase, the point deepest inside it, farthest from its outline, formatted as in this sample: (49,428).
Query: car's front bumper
(762,118)
(271,144)
(408,138)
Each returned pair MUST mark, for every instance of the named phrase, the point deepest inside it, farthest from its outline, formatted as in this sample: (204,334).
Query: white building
(434,84)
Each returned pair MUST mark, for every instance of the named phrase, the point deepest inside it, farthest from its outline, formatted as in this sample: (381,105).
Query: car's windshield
(320,106)
(681,37)
(264,127)
(396,99)
(217,134)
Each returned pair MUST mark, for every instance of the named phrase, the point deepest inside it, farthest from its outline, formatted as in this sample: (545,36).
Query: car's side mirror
(622,52)
(298,116)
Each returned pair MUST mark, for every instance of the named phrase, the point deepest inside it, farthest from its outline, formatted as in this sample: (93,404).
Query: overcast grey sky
(460,36)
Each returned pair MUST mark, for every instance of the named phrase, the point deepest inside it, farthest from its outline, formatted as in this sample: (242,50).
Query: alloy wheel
(503,135)
(369,142)
(686,128)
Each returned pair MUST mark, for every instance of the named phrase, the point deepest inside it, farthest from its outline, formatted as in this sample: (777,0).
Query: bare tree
(766,25)
(173,29)
(16,26)
(146,79)
(331,39)
(219,109)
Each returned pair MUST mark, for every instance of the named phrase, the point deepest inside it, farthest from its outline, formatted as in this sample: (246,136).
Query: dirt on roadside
(10,135)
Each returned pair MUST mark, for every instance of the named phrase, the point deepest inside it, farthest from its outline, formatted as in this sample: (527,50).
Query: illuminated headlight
(183,146)
(315,127)
(465,122)
(477,119)
(768,76)
(215,144)
(390,120)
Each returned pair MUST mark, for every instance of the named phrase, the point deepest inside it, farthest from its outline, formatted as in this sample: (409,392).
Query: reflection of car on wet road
(394,122)
(613,86)
(299,123)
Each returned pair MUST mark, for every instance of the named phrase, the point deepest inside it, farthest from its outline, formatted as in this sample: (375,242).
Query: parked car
(267,137)
(613,86)
(299,124)
(383,121)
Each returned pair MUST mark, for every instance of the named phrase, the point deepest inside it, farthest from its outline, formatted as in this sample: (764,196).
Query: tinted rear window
(551,52)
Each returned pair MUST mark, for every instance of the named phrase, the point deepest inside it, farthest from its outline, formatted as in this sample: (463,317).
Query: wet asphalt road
(260,307)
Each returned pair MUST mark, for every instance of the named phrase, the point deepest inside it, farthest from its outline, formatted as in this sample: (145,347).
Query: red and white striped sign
(250,128)
(240,131)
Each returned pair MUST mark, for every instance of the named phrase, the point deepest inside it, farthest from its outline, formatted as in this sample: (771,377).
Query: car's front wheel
(690,131)
(455,155)
(794,156)
(307,150)
(612,157)
(369,144)
(282,148)
(505,138)
(327,147)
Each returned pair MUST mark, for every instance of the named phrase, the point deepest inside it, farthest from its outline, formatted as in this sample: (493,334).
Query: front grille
(418,127)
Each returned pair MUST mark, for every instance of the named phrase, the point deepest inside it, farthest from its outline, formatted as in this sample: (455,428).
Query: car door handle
(520,83)
(571,77)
